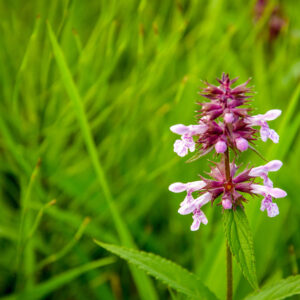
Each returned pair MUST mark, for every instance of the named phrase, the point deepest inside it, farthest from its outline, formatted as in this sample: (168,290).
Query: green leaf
(280,290)
(143,283)
(239,236)
(164,270)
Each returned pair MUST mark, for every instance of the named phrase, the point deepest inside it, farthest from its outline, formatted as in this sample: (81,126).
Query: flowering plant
(225,122)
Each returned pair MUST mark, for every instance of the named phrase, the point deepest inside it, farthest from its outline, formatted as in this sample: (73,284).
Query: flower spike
(223,125)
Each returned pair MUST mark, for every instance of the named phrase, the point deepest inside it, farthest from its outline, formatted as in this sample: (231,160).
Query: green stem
(228,252)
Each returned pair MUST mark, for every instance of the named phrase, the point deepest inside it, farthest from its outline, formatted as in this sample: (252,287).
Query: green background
(137,67)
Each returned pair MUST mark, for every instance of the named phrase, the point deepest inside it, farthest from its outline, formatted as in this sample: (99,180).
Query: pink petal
(273,135)
(203,199)
(179,129)
(197,129)
(187,207)
(272,114)
(195,225)
(265,190)
(195,185)
(272,210)
(199,217)
(264,133)
(277,193)
(273,165)
(177,187)
(180,148)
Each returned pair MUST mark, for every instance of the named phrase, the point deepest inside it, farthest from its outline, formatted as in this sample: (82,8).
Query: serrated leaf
(279,290)
(164,270)
(239,236)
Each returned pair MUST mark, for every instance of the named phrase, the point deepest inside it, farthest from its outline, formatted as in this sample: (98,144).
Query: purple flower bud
(228,118)
(226,203)
(220,147)
(241,144)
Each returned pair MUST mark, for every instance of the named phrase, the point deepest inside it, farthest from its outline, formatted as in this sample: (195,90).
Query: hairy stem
(228,252)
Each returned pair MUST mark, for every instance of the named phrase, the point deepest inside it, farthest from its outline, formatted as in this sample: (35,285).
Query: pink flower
(272,208)
(188,204)
(262,171)
(191,205)
(265,131)
(182,147)
(267,190)
(267,203)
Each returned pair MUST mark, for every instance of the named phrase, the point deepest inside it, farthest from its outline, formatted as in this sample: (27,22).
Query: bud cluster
(225,123)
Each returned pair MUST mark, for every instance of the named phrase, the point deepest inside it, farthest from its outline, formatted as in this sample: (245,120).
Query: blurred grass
(136,66)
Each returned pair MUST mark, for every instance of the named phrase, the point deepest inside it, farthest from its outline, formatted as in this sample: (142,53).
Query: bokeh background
(137,67)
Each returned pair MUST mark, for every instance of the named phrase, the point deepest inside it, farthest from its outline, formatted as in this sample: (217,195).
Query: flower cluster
(223,124)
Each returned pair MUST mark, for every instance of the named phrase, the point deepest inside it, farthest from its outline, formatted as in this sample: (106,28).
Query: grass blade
(144,284)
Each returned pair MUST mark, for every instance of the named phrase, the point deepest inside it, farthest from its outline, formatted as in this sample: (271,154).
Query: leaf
(239,236)
(41,290)
(143,283)
(280,290)
(164,270)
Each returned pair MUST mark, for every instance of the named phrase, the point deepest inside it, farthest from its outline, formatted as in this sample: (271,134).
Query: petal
(264,133)
(187,207)
(179,129)
(268,116)
(177,187)
(195,185)
(271,114)
(273,135)
(263,205)
(195,225)
(277,193)
(266,190)
(197,129)
(199,217)
(272,210)
(273,165)
(203,199)
(259,189)
(180,148)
